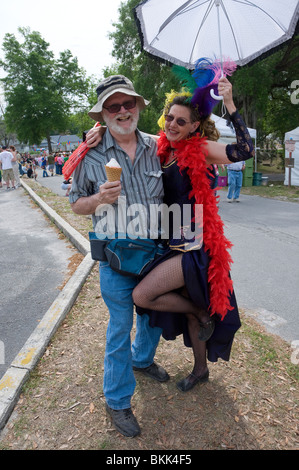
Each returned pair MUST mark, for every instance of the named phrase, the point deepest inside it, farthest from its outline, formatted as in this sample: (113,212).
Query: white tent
(228,131)
(294,135)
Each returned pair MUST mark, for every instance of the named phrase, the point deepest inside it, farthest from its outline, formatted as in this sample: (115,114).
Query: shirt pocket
(154,182)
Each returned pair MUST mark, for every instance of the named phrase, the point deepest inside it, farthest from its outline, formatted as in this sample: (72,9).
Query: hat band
(112,82)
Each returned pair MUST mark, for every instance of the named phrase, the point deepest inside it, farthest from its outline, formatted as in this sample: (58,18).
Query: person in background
(31,172)
(51,164)
(67,186)
(234,180)
(15,165)
(44,167)
(6,160)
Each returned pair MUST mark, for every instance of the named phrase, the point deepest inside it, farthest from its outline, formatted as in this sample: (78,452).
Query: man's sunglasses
(180,121)
(115,108)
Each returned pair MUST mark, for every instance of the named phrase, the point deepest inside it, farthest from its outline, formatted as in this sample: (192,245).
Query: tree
(263,91)
(151,78)
(40,91)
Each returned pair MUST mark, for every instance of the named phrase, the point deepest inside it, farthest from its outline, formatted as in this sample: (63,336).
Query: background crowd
(26,164)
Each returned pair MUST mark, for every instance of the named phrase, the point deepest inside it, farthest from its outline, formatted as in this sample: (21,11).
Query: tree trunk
(49,143)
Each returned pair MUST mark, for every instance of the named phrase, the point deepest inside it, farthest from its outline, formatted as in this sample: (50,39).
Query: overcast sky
(81,26)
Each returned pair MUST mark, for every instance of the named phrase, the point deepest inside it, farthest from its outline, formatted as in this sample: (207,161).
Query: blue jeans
(235,179)
(120,355)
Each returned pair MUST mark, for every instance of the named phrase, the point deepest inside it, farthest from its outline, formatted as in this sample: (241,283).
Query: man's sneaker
(237,200)
(154,371)
(228,200)
(124,421)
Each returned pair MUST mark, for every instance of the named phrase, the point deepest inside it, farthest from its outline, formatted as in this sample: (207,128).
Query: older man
(141,183)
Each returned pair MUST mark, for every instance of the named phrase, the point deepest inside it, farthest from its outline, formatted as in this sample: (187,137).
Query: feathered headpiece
(198,84)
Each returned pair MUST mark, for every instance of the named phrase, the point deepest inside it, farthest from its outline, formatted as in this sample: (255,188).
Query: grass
(275,190)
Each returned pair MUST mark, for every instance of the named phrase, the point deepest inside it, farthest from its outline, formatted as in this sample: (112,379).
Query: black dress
(195,264)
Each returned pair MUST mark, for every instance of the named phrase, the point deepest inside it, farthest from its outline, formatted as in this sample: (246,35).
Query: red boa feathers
(191,155)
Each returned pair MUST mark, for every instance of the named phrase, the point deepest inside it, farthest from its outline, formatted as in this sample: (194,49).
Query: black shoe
(206,330)
(124,421)
(189,382)
(154,371)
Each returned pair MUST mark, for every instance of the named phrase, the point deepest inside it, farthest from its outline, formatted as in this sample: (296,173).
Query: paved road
(265,234)
(34,263)
(51,182)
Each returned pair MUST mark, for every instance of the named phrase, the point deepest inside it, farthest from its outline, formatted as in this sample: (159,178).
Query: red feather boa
(191,155)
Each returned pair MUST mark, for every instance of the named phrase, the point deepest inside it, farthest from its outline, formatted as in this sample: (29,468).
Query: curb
(15,377)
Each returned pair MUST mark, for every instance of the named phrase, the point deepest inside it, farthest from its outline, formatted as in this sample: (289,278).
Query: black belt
(234,170)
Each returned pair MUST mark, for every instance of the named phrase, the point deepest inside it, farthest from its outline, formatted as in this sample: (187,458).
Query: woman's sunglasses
(180,121)
(115,108)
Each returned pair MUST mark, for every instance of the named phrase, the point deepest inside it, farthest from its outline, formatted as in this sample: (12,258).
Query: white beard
(114,125)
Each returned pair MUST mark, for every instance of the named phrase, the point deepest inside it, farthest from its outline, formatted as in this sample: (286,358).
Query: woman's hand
(94,136)
(225,89)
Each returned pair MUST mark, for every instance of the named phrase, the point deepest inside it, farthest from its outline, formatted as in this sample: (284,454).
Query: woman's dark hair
(206,127)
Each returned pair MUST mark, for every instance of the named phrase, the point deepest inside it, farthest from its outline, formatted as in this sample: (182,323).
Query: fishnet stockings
(158,290)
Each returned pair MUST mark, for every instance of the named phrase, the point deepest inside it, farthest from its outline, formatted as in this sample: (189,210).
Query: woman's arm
(243,150)
(95,135)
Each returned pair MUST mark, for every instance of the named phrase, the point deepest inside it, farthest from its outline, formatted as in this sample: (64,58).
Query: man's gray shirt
(141,181)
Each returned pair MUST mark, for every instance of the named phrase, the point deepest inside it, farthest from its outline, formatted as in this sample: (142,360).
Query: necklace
(172,157)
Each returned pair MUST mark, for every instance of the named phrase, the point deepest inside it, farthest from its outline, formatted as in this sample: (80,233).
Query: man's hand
(109,192)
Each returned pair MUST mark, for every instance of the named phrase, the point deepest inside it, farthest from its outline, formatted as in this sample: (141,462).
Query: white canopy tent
(228,131)
(294,135)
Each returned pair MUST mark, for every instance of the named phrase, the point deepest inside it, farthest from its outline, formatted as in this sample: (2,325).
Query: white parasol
(181,32)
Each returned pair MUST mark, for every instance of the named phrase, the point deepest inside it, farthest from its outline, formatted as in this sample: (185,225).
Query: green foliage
(263,91)
(40,91)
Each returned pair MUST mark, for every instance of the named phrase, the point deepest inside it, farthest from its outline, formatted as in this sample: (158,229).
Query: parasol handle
(216,97)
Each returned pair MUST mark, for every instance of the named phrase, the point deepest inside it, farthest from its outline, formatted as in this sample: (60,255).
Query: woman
(188,290)
(15,166)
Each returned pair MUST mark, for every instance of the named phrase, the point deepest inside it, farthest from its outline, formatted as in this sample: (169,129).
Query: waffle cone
(113,174)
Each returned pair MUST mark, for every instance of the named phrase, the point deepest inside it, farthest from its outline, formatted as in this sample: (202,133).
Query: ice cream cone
(113,174)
